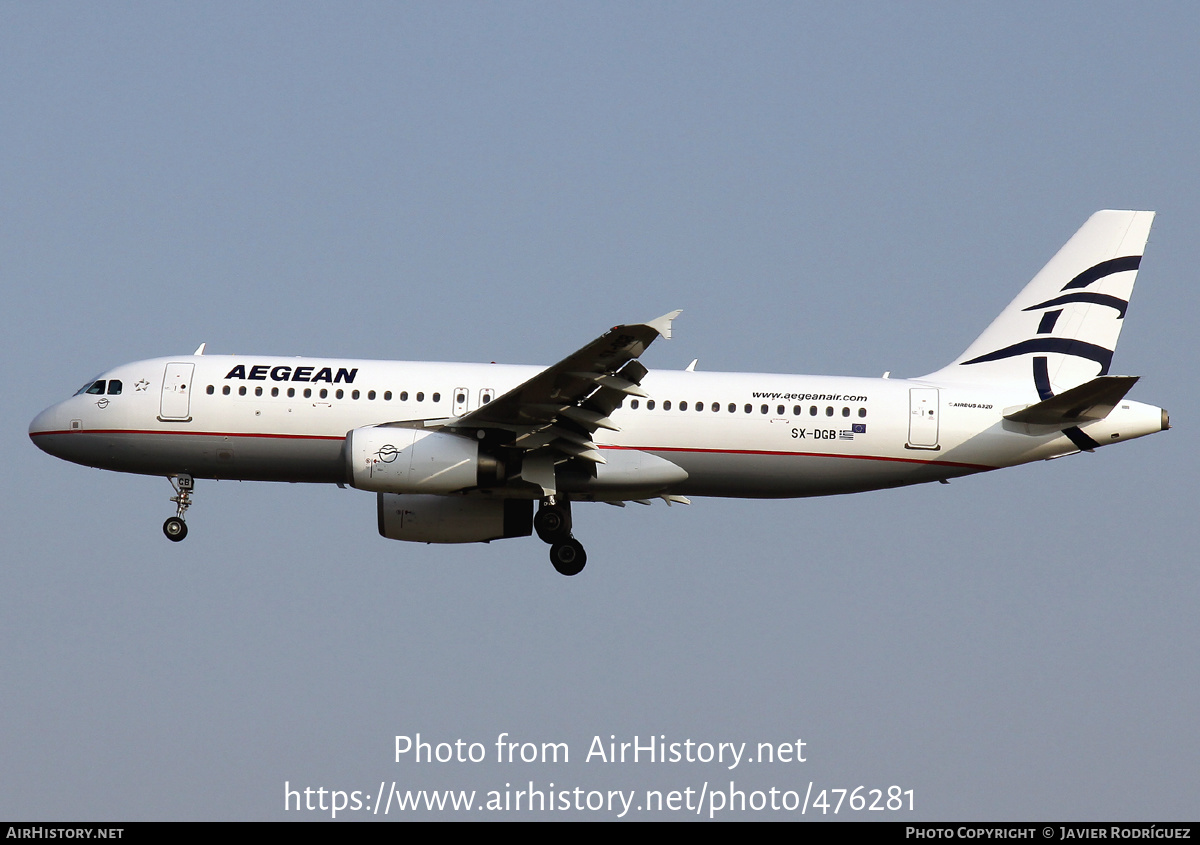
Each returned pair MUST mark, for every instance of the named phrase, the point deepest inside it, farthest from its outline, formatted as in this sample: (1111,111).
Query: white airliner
(459,453)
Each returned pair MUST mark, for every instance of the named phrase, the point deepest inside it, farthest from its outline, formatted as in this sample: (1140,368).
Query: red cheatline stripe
(193,433)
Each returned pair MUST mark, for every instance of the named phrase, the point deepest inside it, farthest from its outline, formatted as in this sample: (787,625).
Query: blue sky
(841,189)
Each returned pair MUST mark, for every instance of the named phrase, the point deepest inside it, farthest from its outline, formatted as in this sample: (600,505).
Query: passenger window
(308,393)
(340,393)
(732,408)
(812,410)
(845,412)
(258,391)
(683,405)
(862,412)
(779,410)
(749,409)
(716,407)
(666,404)
(209,390)
(420,397)
(242,390)
(437,397)
(634,405)
(764,409)
(324,393)
(829,411)
(403,395)
(225,390)
(274,391)
(387,396)
(370,394)
(650,404)
(291,392)
(796,410)
(114,387)
(354,394)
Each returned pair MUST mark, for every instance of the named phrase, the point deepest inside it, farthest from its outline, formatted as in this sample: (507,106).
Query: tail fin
(1062,329)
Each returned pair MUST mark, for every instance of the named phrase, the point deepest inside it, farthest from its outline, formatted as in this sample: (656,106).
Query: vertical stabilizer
(1062,329)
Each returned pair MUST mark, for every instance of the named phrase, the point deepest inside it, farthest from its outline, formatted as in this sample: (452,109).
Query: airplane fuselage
(756,435)
(459,453)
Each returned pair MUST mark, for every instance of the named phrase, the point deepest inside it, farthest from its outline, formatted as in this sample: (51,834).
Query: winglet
(200,349)
(662,325)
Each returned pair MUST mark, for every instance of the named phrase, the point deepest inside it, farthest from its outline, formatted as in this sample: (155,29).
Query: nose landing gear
(552,523)
(175,528)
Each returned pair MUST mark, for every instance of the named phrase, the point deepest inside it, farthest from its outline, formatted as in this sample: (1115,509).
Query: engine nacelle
(452,519)
(386,459)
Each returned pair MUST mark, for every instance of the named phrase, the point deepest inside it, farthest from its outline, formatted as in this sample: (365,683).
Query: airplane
(462,453)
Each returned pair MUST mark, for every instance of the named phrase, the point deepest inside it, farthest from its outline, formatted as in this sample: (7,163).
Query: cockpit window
(96,388)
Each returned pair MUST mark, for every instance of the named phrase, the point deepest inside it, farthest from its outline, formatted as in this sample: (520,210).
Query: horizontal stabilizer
(1093,400)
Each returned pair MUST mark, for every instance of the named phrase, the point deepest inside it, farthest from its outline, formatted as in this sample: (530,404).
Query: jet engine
(393,459)
(452,519)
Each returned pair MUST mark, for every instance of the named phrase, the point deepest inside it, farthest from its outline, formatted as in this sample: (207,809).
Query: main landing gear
(552,523)
(175,528)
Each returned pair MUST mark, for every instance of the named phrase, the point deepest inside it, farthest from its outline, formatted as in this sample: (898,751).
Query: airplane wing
(555,414)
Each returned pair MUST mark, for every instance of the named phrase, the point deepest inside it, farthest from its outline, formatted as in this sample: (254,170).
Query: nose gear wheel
(175,528)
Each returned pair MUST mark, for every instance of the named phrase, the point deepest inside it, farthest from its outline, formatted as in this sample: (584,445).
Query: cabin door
(923,418)
(176,392)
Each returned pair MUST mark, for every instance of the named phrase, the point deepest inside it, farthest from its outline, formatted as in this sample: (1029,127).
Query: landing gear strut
(175,528)
(552,523)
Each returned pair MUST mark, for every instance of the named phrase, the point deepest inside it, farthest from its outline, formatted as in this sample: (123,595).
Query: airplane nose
(43,423)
